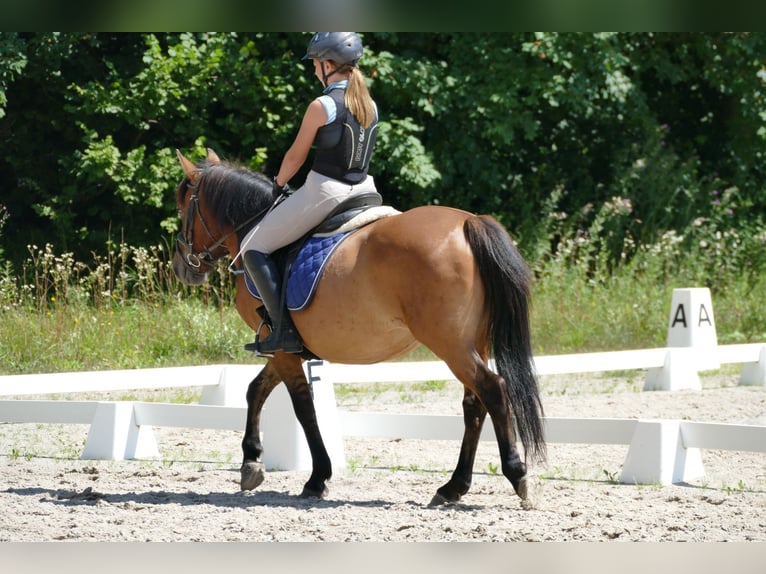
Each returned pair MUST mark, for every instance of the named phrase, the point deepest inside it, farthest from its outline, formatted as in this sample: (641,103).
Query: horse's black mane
(231,193)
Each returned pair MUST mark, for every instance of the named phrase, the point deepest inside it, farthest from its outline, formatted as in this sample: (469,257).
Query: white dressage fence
(659,451)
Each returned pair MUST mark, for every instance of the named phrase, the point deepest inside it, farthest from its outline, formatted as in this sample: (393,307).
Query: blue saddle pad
(306,270)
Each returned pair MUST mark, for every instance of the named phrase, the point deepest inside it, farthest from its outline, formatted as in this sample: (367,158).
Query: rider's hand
(280,189)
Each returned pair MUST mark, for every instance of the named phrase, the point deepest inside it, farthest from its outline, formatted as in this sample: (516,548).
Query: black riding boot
(264,274)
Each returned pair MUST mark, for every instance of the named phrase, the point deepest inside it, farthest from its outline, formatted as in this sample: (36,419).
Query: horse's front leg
(292,374)
(253,471)
(474,414)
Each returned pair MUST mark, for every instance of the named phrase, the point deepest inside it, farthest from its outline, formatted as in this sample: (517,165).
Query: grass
(407,392)
(138,335)
(175,332)
(127,310)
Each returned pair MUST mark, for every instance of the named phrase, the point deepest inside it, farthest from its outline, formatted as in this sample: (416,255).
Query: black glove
(278,190)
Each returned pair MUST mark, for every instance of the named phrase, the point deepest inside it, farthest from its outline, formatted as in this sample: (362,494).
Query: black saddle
(347,210)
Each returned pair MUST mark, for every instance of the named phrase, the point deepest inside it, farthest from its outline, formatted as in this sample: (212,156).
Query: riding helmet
(340,47)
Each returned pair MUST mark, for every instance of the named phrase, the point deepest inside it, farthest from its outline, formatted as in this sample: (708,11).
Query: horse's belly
(354,317)
(345,336)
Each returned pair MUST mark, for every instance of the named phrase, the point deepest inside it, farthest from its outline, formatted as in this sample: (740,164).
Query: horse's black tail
(506,280)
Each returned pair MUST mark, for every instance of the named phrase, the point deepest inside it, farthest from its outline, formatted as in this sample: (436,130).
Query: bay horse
(432,275)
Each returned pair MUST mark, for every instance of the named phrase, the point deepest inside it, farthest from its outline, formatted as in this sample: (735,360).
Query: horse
(432,275)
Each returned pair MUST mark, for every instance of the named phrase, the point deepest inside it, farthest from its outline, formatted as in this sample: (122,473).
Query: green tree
(623,135)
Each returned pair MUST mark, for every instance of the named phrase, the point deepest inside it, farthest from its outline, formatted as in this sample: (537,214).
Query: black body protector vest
(344,147)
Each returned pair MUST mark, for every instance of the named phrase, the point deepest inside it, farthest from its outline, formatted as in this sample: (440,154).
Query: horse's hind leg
(473,417)
(485,392)
(253,471)
(493,392)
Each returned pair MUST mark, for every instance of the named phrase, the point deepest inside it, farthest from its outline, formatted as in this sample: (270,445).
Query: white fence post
(657,455)
(231,389)
(755,373)
(691,328)
(114,434)
(284,442)
(692,324)
(678,372)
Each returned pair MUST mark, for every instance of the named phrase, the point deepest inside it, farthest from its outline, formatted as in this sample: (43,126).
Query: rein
(185,238)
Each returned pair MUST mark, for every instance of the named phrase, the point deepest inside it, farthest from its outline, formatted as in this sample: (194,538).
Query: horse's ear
(212,157)
(190,170)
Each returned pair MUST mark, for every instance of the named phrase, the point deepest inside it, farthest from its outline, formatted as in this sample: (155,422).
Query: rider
(341,124)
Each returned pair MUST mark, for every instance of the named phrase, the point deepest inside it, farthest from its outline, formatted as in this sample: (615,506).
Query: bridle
(204,261)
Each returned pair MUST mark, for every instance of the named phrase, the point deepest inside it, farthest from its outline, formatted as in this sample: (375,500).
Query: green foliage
(3,219)
(601,144)
(97,118)
(12,63)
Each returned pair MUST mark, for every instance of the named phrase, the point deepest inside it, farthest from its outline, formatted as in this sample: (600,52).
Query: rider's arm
(314,118)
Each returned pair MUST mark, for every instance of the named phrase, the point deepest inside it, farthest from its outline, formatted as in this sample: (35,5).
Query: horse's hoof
(314,493)
(441,500)
(520,486)
(251,475)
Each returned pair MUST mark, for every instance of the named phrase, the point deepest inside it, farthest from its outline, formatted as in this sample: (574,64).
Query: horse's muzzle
(187,273)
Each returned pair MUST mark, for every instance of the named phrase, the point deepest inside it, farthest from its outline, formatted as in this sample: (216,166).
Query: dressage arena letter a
(680,317)
(704,317)
(692,325)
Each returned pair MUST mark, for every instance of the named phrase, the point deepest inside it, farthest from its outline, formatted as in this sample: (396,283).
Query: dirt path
(48,494)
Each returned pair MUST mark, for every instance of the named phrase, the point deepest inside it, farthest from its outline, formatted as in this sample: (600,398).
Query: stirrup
(255,345)
(286,341)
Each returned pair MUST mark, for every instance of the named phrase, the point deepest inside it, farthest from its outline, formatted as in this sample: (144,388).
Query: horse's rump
(388,283)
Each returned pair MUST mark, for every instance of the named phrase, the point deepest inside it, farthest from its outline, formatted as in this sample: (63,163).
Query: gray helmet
(343,48)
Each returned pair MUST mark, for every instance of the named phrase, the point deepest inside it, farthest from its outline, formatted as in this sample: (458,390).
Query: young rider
(341,125)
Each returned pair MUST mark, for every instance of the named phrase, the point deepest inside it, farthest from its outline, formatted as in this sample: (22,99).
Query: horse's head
(197,248)
(217,202)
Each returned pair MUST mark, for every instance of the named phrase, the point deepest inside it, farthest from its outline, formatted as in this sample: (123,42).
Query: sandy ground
(48,494)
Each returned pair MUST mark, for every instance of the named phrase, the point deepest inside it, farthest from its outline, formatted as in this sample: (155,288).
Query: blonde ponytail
(358,99)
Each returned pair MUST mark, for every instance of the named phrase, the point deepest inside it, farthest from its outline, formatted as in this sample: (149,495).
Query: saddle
(342,214)
(329,233)
(345,212)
